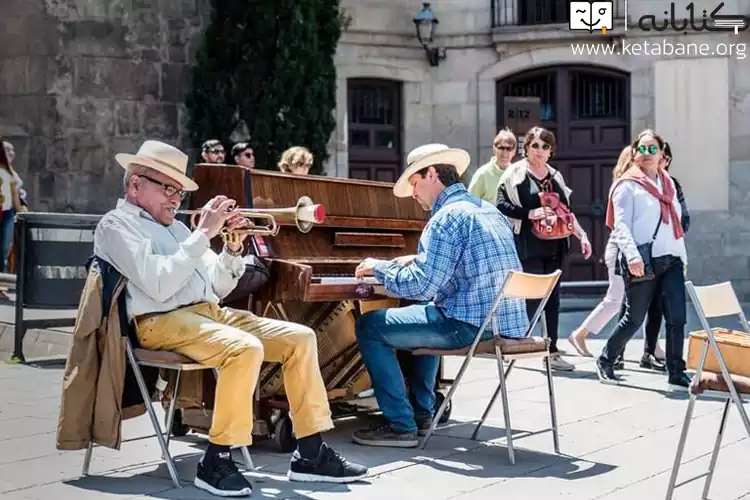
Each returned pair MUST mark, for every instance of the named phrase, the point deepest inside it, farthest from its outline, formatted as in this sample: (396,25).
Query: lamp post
(426,22)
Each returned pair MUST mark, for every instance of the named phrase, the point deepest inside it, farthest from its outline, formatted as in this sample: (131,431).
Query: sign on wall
(520,114)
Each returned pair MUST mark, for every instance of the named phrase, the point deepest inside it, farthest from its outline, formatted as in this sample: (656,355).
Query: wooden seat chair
(169,361)
(517,285)
(712,301)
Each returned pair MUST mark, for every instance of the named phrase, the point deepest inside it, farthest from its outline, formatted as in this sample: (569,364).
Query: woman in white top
(10,198)
(644,215)
(611,304)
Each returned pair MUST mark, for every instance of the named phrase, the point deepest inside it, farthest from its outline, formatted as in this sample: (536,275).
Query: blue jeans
(6,236)
(381,332)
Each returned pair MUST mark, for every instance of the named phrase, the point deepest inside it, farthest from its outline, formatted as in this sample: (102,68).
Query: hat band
(161,162)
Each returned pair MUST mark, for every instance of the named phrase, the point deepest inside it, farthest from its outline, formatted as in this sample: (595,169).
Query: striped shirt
(465,253)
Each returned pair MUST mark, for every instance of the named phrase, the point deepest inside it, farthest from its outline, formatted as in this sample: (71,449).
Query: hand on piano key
(365,268)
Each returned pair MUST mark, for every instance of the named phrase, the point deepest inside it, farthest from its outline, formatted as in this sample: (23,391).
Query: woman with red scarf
(644,215)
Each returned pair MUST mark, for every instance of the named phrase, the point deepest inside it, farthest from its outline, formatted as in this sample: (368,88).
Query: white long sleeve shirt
(637,214)
(167,267)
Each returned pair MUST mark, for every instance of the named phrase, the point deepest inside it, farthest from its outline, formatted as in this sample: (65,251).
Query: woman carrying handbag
(535,198)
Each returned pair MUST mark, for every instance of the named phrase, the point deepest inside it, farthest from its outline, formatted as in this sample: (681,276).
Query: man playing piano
(175,283)
(464,253)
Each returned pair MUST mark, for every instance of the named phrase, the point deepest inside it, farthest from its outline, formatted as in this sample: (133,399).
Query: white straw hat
(426,156)
(161,157)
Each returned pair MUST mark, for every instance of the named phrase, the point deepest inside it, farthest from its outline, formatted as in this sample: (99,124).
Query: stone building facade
(81,80)
(596,103)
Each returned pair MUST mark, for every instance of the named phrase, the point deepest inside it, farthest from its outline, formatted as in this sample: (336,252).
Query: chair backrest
(714,301)
(527,286)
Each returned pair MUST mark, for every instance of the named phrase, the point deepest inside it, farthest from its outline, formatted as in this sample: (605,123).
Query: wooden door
(587,108)
(375,129)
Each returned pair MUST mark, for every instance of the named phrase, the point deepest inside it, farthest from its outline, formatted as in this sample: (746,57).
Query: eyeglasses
(248,154)
(543,145)
(169,190)
(504,148)
(651,148)
(215,151)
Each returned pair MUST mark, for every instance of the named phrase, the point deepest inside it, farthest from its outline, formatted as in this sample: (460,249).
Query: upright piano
(311,279)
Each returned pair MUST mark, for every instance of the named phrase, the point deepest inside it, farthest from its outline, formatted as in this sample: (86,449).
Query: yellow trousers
(237,342)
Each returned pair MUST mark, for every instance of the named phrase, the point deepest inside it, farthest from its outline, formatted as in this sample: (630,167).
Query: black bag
(646,251)
(256,275)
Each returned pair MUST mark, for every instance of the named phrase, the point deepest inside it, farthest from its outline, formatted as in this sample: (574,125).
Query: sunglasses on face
(500,147)
(248,155)
(169,190)
(216,151)
(537,145)
(651,149)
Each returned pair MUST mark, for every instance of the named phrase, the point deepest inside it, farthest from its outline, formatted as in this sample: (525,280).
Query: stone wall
(81,80)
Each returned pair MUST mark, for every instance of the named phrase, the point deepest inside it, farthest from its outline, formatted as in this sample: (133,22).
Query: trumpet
(305,214)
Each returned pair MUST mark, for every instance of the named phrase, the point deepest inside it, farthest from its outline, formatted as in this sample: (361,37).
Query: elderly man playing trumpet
(175,283)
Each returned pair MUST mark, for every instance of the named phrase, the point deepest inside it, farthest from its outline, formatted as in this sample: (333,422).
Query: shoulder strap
(657,226)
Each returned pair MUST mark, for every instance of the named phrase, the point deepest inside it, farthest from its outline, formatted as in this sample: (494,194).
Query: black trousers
(670,285)
(653,322)
(546,265)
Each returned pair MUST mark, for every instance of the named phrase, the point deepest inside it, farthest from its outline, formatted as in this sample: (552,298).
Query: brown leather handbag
(565,223)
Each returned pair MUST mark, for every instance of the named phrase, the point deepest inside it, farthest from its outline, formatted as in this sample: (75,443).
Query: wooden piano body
(312,274)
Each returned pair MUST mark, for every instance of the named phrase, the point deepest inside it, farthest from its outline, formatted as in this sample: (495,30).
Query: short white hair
(134,169)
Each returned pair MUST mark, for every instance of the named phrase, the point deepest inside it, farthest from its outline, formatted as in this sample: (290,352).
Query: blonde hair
(297,156)
(623,162)
(505,134)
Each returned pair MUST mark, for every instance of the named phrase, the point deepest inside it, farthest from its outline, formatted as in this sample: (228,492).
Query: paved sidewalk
(617,442)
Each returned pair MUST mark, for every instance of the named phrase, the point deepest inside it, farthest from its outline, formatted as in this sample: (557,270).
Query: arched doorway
(375,129)
(588,110)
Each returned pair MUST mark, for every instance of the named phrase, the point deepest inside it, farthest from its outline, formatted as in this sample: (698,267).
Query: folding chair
(710,302)
(517,285)
(169,361)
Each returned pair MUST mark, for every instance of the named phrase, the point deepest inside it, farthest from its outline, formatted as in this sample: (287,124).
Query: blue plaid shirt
(465,253)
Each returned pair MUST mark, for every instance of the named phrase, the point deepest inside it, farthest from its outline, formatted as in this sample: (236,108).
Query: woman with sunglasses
(644,216)
(518,198)
(653,355)
(486,179)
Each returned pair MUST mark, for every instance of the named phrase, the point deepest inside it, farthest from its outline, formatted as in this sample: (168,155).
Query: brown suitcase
(734,347)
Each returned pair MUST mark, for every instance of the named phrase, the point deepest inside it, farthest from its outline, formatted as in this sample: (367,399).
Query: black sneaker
(606,373)
(219,476)
(423,425)
(328,467)
(680,380)
(650,362)
(619,363)
(385,435)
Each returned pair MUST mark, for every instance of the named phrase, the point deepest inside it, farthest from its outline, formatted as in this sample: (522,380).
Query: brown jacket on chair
(99,387)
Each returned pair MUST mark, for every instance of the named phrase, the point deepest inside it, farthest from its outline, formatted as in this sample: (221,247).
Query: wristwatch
(238,253)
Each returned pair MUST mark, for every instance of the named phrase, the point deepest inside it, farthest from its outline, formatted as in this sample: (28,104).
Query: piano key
(344,280)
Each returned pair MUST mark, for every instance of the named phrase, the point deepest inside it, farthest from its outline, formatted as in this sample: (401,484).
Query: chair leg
(87,459)
(717,446)
(506,409)
(552,405)
(492,402)
(171,410)
(152,415)
(248,459)
(447,400)
(680,448)
(486,412)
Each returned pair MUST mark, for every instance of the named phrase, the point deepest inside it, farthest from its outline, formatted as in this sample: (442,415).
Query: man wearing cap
(464,254)
(175,283)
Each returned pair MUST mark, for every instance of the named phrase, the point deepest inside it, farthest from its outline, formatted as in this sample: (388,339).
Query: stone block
(56,157)
(739,148)
(736,244)
(15,39)
(22,75)
(160,120)
(87,154)
(739,113)
(456,92)
(115,79)
(127,118)
(175,82)
(94,38)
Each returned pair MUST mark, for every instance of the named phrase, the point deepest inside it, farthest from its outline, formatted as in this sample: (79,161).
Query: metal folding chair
(711,302)
(169,361)
(517,285)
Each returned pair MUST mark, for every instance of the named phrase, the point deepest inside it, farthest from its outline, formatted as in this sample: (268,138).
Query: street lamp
(426,22)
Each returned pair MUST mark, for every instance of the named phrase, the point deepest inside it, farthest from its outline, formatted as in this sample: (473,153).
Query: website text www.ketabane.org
(660,48)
